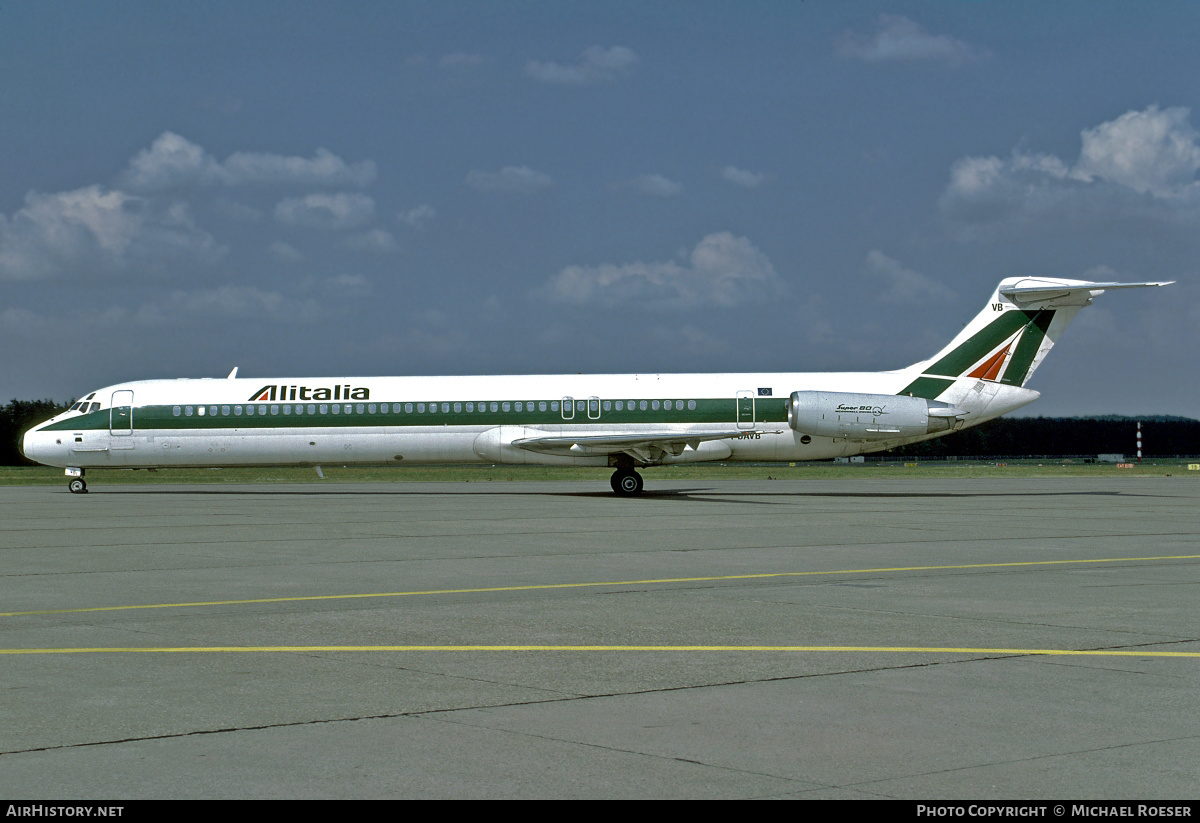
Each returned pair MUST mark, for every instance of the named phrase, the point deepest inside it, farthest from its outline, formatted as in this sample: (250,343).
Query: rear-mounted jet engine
(869,416)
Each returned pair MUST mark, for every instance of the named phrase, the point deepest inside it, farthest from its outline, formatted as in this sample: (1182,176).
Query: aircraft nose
(28,446)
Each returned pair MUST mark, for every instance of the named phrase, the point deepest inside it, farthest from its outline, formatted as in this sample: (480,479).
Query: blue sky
(460,188)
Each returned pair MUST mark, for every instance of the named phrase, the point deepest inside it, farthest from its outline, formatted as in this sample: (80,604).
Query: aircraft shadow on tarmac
(700,494)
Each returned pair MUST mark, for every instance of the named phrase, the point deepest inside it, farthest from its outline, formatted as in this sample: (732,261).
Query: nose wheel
(77,486)
(626,482)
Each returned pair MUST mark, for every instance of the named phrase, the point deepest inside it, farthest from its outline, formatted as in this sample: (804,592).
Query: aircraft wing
(645,446)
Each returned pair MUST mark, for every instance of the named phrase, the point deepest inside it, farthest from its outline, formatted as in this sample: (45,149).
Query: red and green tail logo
(1002,351)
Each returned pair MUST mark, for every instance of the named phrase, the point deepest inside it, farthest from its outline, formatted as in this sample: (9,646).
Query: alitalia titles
(282,392)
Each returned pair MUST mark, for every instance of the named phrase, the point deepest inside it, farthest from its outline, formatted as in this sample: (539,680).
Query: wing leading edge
(646,447)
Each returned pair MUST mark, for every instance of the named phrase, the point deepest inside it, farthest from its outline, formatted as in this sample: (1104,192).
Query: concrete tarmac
(854,638)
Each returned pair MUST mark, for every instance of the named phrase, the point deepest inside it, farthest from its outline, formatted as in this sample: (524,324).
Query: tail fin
(1007,341)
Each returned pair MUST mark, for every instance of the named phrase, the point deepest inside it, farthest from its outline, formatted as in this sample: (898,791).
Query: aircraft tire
(77,486)
(627,483)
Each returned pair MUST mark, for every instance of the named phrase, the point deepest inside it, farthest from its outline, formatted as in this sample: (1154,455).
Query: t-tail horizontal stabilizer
(1006,341)
(1039,292)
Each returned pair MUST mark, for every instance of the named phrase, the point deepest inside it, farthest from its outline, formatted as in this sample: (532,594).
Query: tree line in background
(1005,437)
(1064,436)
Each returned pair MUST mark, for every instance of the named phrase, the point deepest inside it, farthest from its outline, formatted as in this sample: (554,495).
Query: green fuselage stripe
(927,387)
(159,417)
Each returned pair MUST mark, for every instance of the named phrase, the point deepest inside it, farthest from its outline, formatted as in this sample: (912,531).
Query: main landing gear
(626,482)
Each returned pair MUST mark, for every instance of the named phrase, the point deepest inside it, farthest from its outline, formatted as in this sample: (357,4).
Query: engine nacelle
(869,416)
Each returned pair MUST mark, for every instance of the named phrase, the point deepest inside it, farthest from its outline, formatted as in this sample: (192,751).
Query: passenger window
(359,408)
(470,407)
(420,408)
(445,408)
(542,405)
(250,410)
(212,410)
(312,409)
(176,411)
(608,405)
(642,405)
(324,408)
(495,407)
(224,411)
(237,411)
(553,405)
(620,406)
(200,411)
(691,405)
(371,409)
(654,405)
(274,410)
(336,409)
(457,408)
(408,408)
(506,406)
(520,406)
(187,410)
(287,409)
(262,409)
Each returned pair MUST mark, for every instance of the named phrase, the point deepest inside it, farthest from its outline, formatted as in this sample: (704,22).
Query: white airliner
(626,421)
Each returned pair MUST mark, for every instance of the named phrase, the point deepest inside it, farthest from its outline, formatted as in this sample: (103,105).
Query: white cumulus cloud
(722,270)
(375,240)
(596,65)
(417,217)
(94,230)
(899,39)
(1141,165)
(901,285)
(1152,150)
(326,211)
(740,177)
(173,161)
(510,178)
(655,185)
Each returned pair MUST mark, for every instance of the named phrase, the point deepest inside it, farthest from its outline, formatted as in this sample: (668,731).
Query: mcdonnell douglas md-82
(625,421)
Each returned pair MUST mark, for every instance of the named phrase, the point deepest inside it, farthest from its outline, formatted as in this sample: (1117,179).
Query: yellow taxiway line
(598,584)
(583,648)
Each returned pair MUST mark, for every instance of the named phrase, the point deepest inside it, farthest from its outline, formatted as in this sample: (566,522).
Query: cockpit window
(95,407)
(76,406)
(90,396)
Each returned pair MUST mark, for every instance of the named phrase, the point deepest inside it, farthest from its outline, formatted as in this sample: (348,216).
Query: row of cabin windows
(432,408)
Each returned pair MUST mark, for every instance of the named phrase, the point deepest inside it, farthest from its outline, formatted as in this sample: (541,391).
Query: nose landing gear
(75,481)
(626,482)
